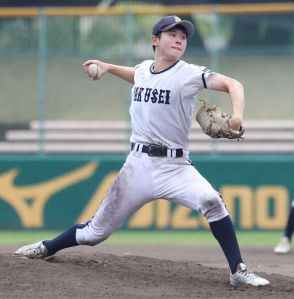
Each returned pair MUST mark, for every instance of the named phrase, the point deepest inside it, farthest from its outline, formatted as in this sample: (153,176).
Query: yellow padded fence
(275,8)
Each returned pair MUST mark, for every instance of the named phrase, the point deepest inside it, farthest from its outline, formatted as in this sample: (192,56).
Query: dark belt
(155,150)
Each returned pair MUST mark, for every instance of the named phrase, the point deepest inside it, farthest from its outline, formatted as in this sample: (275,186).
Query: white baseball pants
(143,179)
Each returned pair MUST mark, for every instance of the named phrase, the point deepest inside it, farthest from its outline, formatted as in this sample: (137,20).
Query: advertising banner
(56,192)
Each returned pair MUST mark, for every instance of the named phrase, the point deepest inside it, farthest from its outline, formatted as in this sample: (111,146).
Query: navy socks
(224,232)
(290,225)
(64,240)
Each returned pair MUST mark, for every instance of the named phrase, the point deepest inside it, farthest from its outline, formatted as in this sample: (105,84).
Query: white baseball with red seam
(93,70)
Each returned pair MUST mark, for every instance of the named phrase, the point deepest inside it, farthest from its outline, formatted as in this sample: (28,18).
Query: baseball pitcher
(158,166)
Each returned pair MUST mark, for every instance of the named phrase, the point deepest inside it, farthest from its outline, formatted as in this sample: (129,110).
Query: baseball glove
(215,123)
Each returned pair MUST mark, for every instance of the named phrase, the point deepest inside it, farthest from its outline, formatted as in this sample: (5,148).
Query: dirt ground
(112,271)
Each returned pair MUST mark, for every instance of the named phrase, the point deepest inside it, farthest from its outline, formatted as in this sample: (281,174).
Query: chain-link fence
(42,51)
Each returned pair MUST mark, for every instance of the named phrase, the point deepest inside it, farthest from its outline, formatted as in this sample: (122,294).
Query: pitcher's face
(171,44)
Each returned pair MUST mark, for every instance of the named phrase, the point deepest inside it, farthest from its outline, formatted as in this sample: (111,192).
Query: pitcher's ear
(154,40)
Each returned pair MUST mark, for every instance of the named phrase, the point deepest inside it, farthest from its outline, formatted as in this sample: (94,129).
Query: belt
(155,150)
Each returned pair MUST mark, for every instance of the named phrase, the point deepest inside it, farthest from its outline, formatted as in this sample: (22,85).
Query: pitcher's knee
(93,240)
(214,208)
(88,236)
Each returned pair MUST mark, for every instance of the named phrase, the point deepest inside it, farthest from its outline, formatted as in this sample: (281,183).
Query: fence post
(129,57)
(42,79)
(214,56)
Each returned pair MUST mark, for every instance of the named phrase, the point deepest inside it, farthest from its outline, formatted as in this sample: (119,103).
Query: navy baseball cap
(168,22)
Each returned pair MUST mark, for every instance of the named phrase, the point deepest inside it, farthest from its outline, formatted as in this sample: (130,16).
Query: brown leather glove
(215,123)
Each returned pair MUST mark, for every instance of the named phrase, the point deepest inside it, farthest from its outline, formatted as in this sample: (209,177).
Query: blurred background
(44,43)
(55,120)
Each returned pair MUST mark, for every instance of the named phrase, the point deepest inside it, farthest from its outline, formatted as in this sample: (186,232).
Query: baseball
(93,70)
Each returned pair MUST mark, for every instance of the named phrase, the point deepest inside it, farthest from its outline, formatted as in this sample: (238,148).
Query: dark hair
(158,35)
(181,28)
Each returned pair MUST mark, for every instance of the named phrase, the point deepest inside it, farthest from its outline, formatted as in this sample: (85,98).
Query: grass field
(151,238)
(70,95)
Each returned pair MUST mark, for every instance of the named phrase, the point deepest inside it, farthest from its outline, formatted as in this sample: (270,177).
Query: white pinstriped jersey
(163,102)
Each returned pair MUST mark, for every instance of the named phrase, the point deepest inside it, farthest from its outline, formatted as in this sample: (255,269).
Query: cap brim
(188,26)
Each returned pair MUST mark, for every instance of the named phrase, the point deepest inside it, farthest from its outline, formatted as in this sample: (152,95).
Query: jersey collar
(152,71)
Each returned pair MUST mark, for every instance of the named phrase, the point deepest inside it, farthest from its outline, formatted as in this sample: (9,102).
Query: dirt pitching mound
(101,275)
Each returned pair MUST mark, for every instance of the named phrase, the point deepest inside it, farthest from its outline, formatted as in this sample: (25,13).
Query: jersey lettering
(139,94)
(136,93)
(154,95)
(147,94)
(161,96)
(167,97)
